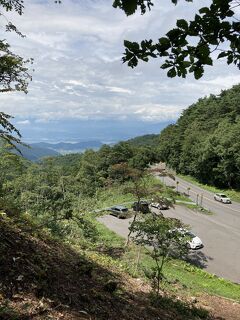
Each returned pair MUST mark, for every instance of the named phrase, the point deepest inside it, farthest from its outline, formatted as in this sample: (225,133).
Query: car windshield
(190,234)
(223,196)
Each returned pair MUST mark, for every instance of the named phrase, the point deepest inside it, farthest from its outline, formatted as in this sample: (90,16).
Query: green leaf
(203,49)
(145,59)
(230,13)
(198,73)
(128,44)
(172,73)
(230,59)
(135,46)
(129,7)
(133,62)
(132,46)
(165,66)
(208,61)
(222,55)
(164,44)
(186,64)
(204,10)
(182,24)
(174,34)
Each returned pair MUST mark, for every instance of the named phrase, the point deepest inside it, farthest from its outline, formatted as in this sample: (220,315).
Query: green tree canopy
(14,74)
(204,143)
(8,133)
(164,239)
(190,45)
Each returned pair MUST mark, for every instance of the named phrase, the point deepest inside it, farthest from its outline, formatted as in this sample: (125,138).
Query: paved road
(227,215)
(221,252)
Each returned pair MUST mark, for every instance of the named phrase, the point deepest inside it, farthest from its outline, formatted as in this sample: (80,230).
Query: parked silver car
(119,211)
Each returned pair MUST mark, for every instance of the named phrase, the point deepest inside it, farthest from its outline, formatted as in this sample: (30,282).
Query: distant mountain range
(67,147)
(36,153)
(39,150)
(43,149)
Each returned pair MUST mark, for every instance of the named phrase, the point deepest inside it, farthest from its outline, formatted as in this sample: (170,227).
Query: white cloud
(77,48)
(119,90)
(223,82)
(24,122)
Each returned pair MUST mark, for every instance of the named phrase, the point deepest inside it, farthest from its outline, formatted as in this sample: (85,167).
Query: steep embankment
(205,141)
(41,278)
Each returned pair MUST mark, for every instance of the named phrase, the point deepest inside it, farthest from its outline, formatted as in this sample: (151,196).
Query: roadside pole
(177,183)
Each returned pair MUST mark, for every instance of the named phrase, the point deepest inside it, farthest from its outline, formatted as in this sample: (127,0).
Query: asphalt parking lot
(221,253)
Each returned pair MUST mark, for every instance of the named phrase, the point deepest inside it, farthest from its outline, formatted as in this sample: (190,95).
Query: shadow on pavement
(199,259)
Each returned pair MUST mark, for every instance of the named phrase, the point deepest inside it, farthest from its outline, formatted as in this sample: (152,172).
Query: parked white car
(159,206)
(192,241)
(222,198)
(163,204)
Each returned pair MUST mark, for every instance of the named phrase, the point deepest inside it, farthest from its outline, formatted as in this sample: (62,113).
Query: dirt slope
(41,278)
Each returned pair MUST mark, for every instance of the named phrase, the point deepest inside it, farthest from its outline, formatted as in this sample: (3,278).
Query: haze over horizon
(78,130)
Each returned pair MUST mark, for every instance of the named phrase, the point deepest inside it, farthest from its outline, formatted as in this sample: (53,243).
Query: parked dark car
(141,206)
(119,211)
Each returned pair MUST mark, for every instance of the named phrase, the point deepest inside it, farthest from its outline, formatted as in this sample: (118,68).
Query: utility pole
(177,183)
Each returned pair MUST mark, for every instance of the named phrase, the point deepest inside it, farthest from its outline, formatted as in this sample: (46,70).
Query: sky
(80,88)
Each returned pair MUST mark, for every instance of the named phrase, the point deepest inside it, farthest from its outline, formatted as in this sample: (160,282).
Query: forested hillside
(56,258)
(145,140)
(55,185)
(205,141)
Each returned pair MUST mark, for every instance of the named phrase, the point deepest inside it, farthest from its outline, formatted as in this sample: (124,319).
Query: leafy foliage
(190,45)
(8,133)
(14,74)
(162,236)
(204,143)
(59,189)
